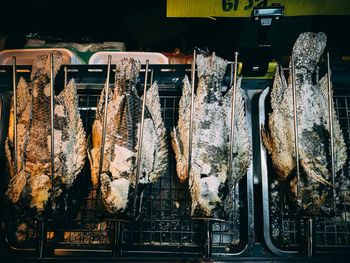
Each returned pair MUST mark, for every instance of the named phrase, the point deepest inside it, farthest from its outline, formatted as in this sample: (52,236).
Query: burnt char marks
(313,130)
(32,188)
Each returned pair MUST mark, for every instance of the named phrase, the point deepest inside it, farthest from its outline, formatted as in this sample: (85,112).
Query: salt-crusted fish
(118,177)
(32,186)
(208,177)
(313,128)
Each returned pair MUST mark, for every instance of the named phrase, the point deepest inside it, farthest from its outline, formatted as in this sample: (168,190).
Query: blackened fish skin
(210,138)
(118,177)
(313,128)
(31,185)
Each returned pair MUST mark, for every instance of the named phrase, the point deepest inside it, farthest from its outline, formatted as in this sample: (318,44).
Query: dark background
(143,26)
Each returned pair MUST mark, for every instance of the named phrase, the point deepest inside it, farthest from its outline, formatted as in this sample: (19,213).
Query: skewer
(42,244)
(139,143)
(116,248)
(52,119)
(309,237)
(65,76)
(330,110)
(233,112)
(151,79)
(308,221)
(14,80)
(193,75)
(104,121)
(296,139)
(208,239)
(231,74)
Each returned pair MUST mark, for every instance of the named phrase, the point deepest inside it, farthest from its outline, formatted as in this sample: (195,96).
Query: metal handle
(14,81)
(139,143)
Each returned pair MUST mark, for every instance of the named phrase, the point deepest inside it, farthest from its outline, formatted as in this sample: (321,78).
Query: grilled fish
(118,177)
(208,177)
(32,184)
(313,128)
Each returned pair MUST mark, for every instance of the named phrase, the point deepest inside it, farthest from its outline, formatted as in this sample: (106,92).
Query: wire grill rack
(284,233)
(164,227)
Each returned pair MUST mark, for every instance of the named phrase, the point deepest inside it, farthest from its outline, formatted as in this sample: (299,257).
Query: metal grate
(165,226)
(283,232)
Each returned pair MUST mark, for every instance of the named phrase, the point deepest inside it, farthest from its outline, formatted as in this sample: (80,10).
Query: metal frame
(265,186)
(169,77)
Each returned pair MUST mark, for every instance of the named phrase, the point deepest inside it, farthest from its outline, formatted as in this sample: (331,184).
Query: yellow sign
(244,8)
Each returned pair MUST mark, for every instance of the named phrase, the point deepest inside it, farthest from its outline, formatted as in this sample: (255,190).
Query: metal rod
(52,94)
(151,78)
(42,245)
(309,237)
(116,249)
(207,239)
(65,76)
(231,73)
(14,80)
(296,139)
(330,110)
(193,75)
(139,143)
(233,112)
(104,120)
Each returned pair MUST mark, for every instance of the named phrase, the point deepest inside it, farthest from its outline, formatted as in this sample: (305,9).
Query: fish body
(32,184)
(118,177)
(210,137)
(313,128)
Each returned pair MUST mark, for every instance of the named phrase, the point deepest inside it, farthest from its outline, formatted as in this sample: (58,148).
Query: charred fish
(32,186)
(118,178)
(208,177)
(313,129)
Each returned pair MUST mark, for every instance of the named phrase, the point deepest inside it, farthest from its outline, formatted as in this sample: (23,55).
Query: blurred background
(143,26)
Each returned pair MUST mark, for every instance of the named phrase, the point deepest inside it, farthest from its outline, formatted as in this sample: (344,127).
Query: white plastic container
(153,57)
(26,56)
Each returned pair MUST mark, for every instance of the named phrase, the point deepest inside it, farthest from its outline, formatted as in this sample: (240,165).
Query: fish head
(307,50)
(42,64)
(211,66)
(211,71)
(41,71)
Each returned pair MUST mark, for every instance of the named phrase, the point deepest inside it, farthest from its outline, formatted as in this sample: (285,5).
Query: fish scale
(210,183)
(118,177)
(313,130)
(31,187)
(40,124)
